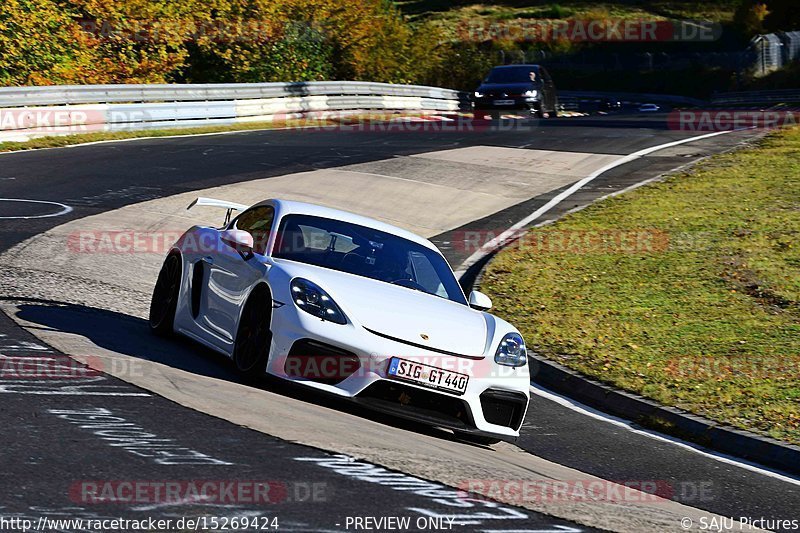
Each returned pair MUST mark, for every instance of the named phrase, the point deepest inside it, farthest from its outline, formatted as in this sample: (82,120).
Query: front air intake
(504,408)
(323,363)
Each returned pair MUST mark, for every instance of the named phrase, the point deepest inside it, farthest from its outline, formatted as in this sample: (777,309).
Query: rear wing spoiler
(213,202)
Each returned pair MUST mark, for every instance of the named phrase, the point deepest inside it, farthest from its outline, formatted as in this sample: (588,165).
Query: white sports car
(348,305)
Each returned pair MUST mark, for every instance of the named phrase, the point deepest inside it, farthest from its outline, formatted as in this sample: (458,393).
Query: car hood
(402,314)
(511,88)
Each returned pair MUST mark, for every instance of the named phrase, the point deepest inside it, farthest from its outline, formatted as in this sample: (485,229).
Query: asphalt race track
(203,424)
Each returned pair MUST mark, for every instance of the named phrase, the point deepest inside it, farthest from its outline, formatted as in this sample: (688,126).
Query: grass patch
(556,11)
(686,291)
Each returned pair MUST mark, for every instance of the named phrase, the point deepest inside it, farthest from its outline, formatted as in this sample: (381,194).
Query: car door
(232,274)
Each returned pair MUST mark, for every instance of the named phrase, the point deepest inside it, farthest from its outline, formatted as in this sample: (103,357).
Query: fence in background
(757,98)
(765,54)
(631,97)
(775,50)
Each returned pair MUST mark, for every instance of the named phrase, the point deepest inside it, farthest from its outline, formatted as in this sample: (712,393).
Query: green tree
(749,17)
(153,41)
(39,43)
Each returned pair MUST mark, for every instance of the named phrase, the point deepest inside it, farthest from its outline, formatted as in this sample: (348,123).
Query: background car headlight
(309,297)
(531,94)
(511,351)
(478,94)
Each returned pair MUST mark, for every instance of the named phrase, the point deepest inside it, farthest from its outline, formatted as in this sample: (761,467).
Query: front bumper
(524,103)
(353,363)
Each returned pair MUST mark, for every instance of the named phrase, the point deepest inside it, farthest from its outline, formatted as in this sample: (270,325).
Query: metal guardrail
(107,94)
(27,112)
(729,98)
(757,97)
(632,97)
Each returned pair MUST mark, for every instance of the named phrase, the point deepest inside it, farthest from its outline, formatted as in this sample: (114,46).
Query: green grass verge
(686,291)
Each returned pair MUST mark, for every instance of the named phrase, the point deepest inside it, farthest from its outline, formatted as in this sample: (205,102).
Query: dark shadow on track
(131,336)
(633,122)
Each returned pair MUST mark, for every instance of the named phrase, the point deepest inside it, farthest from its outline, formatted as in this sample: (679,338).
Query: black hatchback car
(515,87)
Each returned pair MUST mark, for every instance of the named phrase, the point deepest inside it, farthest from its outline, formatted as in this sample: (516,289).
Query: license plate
(504,102)
(428,376)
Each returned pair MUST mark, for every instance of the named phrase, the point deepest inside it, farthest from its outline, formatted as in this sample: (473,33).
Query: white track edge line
(625,424)
(511,231)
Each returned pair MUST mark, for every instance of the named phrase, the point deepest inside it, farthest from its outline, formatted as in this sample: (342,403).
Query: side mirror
(239,240)
(479,301)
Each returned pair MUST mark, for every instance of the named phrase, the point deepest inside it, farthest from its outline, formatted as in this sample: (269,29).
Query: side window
(315,238)
(258,222)
(424,274)
(321,239)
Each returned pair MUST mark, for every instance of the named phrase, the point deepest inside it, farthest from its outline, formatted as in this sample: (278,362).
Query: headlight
(313,300)
(511,351)
(531,94)
(478,94)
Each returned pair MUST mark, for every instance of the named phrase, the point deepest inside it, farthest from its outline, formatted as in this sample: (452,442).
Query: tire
(476,439)
(165,296)
(253,338)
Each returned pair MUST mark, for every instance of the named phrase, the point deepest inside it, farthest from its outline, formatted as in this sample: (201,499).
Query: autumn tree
(749,17)
(39,44)
(156,41)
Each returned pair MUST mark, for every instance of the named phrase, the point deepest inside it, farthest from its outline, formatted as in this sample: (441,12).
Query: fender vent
(197,287)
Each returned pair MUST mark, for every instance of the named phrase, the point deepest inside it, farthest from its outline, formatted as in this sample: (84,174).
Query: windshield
(513,75)
(366,252)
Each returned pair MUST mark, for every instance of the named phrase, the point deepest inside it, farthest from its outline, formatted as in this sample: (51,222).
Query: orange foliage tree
(156,41)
